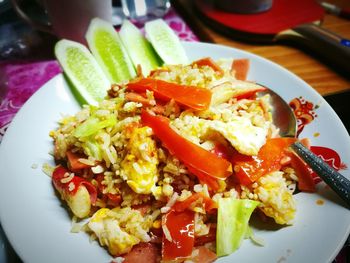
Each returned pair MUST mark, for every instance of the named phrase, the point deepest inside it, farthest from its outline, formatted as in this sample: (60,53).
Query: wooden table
(321,77)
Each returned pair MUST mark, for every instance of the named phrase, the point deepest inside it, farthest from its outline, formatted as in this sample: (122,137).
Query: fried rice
(126,160)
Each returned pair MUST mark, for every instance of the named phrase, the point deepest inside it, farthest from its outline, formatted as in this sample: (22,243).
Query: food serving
(173,162)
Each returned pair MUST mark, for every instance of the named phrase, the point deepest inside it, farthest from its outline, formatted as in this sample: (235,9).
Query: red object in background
(284,14)
(295,21)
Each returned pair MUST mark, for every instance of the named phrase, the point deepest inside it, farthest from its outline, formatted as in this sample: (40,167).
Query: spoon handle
(331,177)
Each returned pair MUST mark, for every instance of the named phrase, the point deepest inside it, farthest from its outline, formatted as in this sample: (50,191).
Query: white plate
(38,226)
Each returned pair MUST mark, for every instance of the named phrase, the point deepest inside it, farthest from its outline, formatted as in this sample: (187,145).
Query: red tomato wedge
(74,163)
(209,204)
(200,161)
(190,96)
(240,68)
(180,226)
(66,187)
(248,169)
(210,63)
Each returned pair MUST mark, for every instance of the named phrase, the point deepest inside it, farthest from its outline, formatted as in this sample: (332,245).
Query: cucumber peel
(83,72)
(138,47)
(106,46)
(165,42)
(232,223)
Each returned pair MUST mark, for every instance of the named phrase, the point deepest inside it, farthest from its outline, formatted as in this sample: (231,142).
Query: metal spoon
(284,118)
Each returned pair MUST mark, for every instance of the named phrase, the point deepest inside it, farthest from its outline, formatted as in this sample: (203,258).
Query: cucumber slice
(88,81)
(139,49)
(165,42)
(232,226)
(106,46)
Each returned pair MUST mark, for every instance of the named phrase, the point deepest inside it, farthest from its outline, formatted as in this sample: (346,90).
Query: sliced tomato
(74,163)
(71,187)
(204,255)
(210,63)
(189,96)
(201,162)
(181,230)
(143,252)
(248,169)
(304,173)
(209,204)
(240,68)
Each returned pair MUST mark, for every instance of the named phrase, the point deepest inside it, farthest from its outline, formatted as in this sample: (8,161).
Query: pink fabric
(22,80)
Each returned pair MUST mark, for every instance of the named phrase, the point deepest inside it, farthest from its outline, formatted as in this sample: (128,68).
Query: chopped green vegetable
(92,148)
(92,125)
(233,218)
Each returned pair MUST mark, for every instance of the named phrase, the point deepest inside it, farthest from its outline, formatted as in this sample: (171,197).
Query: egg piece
(120,228)
(139,167)
(277,201)
(242,134)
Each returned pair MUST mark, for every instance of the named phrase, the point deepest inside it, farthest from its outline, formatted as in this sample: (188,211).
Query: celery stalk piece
(232,224)
(92,125)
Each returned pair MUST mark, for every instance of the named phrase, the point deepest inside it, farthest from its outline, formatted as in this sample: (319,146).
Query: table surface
(323,78)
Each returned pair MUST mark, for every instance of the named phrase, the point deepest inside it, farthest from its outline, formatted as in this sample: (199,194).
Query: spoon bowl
(283,117)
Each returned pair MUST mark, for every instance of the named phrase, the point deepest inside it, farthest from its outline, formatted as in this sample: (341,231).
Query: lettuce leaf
(233,218)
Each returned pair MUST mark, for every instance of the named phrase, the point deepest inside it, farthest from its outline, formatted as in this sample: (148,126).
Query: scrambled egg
(120,228)
(139,167)
(277,200)
(243,136)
